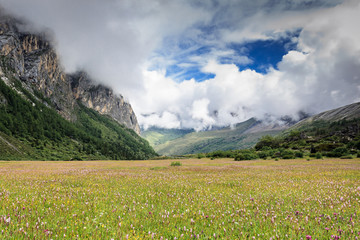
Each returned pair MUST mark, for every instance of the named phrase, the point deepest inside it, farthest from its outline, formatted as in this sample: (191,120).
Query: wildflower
(308,237)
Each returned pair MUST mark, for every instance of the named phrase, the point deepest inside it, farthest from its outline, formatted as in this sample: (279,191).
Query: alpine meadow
(180,119)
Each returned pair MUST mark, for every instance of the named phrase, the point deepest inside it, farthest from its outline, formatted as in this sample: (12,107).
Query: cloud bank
(130,46)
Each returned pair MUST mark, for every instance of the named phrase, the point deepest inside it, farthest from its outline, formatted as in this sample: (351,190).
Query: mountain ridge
(253,130)
(242,135)
(48,114)
(33,59)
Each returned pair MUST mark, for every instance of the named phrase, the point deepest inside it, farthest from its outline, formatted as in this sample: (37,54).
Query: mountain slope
(33,60)
(334,133)
(31,130)
(348,112)
(157,136)
(48,114)
(243,135)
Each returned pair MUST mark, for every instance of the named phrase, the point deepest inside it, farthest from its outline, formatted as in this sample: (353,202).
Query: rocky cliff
(103,100)
(32,59)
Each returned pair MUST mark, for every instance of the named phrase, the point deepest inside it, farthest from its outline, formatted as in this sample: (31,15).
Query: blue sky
(198,64)
(261,55)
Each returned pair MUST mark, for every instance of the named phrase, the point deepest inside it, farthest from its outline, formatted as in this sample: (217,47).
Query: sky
(204,63)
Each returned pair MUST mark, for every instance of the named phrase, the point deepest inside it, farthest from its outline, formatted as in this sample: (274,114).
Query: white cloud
(322,74)
(128,45)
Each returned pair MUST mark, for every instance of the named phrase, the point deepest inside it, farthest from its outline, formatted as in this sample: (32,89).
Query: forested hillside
(31,129)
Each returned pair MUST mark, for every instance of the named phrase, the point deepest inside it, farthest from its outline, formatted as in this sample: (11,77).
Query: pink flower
(308,237)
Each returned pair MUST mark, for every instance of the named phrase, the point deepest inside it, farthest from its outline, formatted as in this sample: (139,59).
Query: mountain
(348,112)
(157,136)
(334,133)
(323,133)
(242,135)
(49,114)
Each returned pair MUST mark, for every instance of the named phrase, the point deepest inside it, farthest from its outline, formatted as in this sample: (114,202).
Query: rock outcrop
(103,100)
(32,59)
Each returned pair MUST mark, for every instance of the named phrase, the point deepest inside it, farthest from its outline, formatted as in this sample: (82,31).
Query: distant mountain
(157,136)
(49,114)
(323,132)
(348,112)
(334,133)
(242,135)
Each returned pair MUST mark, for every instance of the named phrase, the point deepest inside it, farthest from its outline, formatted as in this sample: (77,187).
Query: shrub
(246,155)
(338,152)
(267,142)
(318,155)
(77,158)
(175,164)
(347,157)
(263,154)
(287,154)
(299,154)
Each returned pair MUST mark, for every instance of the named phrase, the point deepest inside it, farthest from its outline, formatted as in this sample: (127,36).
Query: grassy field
(202,199)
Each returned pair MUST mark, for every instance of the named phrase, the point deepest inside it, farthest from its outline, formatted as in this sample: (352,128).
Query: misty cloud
(129,45)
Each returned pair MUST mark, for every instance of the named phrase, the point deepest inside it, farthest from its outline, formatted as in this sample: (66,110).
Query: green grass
(285,199)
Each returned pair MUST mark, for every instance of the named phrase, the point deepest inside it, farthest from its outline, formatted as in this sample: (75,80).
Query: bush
(299,154)
(338,152)
(287,154)
(76,158)
(267,142)
(263,154)
(175,164)
(347,157)
(246,155)
(318,155)
(200,156)
(358,155)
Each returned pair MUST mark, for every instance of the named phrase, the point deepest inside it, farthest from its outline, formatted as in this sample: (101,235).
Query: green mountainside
(31,130)
(239,137)
(334,133)
(157,136)
(48,114)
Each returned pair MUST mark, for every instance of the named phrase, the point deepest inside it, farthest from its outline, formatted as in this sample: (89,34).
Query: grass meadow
(202,199)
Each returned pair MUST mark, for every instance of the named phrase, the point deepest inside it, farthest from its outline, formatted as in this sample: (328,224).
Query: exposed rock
(33,60)
(103,100)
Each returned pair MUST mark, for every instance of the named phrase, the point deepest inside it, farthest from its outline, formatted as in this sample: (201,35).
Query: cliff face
(103,100)
(34,61)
